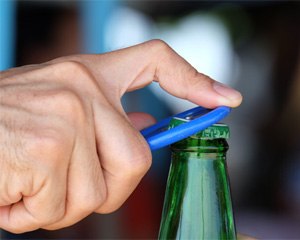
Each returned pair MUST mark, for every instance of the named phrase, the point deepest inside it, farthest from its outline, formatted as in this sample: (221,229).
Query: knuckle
(68,101)
(108,209)
(159,45)
(75,67)
(139,163)
(49,216)
(46,144)
(94,201)
(54,216)
(62,101)
(99,196)
(47,210)
(91,199)
(159,50)
(196,80)
(203,77)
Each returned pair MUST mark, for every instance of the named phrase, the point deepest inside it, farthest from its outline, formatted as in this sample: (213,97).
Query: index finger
(135,67)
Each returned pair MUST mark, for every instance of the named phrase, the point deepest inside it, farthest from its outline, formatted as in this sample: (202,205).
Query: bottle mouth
(209,140)
(215,131)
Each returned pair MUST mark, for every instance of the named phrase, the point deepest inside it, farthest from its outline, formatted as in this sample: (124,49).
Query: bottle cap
(217,130)
(195,120)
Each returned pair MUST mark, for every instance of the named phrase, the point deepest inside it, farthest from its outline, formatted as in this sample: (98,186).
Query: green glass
(197,201)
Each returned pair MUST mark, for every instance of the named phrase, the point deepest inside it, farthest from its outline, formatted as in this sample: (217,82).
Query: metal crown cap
(217,130)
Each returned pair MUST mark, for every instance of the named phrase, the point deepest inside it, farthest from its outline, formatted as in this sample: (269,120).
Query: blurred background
(253,46)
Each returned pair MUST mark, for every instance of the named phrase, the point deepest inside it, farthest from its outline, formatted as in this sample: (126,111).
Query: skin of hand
(67,148)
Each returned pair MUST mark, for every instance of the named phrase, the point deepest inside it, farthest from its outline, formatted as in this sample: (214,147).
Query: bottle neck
(195,145)
(197,203)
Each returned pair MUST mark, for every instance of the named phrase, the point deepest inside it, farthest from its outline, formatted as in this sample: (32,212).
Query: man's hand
(67,148)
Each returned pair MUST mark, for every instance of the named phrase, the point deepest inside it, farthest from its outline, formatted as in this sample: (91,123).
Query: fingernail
(226,91)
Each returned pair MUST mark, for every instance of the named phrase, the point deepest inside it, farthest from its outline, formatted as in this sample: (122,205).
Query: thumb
(141,120)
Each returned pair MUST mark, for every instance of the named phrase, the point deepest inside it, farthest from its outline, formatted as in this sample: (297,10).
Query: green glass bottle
(197,201)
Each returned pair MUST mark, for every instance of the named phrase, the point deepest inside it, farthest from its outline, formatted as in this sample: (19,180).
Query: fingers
(50,174)
(86,185)
(141,120)
(179,78)
(124,154)
(135,67)
(30,175)
(32,212)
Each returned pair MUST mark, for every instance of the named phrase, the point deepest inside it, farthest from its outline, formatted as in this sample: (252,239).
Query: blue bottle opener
(199,118)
